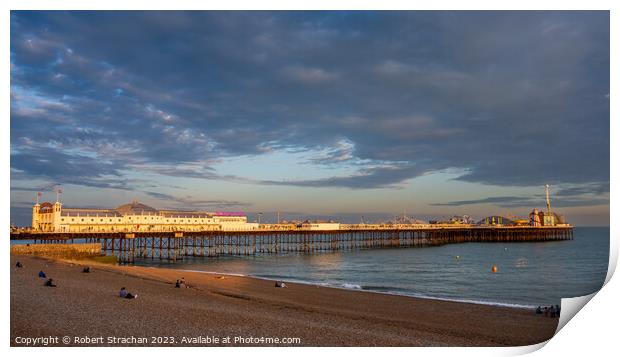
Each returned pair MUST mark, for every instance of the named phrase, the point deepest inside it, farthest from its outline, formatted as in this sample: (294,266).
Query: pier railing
(174,246)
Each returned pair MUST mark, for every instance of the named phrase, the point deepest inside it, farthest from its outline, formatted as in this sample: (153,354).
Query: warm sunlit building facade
(133,217)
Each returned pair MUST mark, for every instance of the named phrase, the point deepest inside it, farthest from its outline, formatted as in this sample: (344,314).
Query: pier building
(133,217)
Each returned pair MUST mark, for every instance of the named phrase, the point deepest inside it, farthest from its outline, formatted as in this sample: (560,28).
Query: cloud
(341,151)
(574,196)
(188,202)
(377,177)
(512,98)
(308,75)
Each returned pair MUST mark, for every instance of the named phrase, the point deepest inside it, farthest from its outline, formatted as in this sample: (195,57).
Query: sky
(323,114)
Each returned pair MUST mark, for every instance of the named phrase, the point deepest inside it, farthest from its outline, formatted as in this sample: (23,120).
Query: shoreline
(361,289)
(231,305)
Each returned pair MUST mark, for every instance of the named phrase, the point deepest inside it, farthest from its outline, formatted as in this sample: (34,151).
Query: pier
(174,246)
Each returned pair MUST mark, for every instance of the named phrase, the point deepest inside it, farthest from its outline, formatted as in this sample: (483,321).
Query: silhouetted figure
(42,274)
(86,270)
(280,284)
(126,294)
(539,311)
(50,283)
(19,265)
(557,310)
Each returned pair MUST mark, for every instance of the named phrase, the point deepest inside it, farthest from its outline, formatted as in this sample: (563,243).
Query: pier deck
(173,246)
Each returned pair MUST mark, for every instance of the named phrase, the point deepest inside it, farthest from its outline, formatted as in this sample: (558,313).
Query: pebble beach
(228,310)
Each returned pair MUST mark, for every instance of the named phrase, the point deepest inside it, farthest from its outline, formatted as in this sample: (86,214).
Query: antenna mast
(548,201)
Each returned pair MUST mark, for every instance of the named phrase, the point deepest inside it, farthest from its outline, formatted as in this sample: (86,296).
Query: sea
(528,274)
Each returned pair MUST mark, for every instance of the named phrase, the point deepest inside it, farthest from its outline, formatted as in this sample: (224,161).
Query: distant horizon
(271,216)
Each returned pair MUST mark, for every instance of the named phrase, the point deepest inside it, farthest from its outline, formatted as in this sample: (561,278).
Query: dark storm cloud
(513,98)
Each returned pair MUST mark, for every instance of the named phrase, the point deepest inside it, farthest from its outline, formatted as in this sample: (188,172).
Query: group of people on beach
(50,282)
(548,311)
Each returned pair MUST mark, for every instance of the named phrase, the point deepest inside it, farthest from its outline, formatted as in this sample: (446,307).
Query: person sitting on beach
(539,310)
(180,284)
(19,265)
(183,283)
(126,294)
(50,283)
(280,284)
(86,270)
(177,284)
(42,274)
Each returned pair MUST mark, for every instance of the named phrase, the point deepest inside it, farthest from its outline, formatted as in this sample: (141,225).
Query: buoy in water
(494,269)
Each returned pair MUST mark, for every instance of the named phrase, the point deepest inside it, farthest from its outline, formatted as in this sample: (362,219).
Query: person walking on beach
(50,283)
(557,310)
(42,274)
(127,295)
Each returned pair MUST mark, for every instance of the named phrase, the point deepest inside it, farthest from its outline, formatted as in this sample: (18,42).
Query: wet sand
(88,305)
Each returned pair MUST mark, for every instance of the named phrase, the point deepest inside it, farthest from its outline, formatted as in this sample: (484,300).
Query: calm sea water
(529,274)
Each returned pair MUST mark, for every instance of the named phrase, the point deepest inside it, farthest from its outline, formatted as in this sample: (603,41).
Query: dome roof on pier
(134,207)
